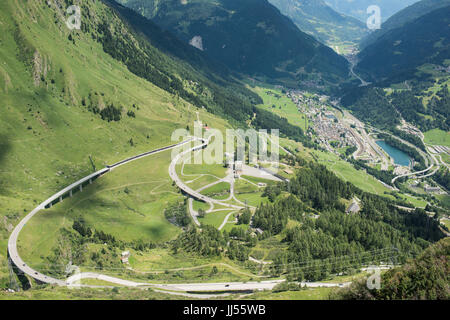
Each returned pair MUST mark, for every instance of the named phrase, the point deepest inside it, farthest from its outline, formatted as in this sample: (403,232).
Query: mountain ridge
(251,37)
(315,17)
(401,50)
(404,16)
(358,9)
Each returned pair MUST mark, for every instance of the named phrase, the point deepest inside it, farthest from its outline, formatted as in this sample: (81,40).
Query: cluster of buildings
(329,129)
(427,188)
(307,103)
(431,189)
(124,257)
(442,68)
(353,208)
(411,130)
(326,125)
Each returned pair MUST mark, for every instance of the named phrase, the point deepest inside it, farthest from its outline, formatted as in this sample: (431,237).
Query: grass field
(445,157)
(446,222)
(60,293)
(243,186)
(200,205)
(197,182)
(346,171)
(217,170)
(128,203)
(437,137)
(444,200)
(304,294)
(277,102)
(419,203)
(268,248)
(230,225)
(219,191)
(247,191)
(258,180)
(252,199)
(215,218)
(47,134)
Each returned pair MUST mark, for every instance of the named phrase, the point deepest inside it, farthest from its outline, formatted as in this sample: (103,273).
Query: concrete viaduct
(58,197)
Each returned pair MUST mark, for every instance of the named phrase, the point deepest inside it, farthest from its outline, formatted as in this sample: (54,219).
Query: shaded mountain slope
(251,37)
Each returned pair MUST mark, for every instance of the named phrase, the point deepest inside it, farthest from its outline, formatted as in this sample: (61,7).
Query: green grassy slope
(276,102)
(438,137)
(424,278)
(48,88)
(127,203)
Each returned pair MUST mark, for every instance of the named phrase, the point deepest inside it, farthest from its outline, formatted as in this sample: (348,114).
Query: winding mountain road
(197,287)
(193,193)
(178,289)
(13,253)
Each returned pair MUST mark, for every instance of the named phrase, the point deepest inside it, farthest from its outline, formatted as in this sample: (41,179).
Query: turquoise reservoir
(399,156)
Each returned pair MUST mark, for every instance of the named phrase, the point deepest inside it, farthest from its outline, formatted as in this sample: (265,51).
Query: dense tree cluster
(79,225)
(207,242)
(426,277)
(376,107)
(111,113)
(245,216)
(411,106)
(272,191)
(210,242)
(350,150)
(338,242)
(372,106)
(443,177)
(440,106)
(319,188)
(177,214)
(273,219)
(131,114)
(414,139)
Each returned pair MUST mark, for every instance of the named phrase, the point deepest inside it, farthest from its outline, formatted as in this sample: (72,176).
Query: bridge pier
(70,193)
(81,187)
(90,181)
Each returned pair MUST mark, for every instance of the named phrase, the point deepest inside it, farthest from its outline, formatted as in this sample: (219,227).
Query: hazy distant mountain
(320,20)
(401,50)
(358,8)
(406,15)
(250,36)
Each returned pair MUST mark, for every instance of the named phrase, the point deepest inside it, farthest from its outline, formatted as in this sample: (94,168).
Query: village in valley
(338,131)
